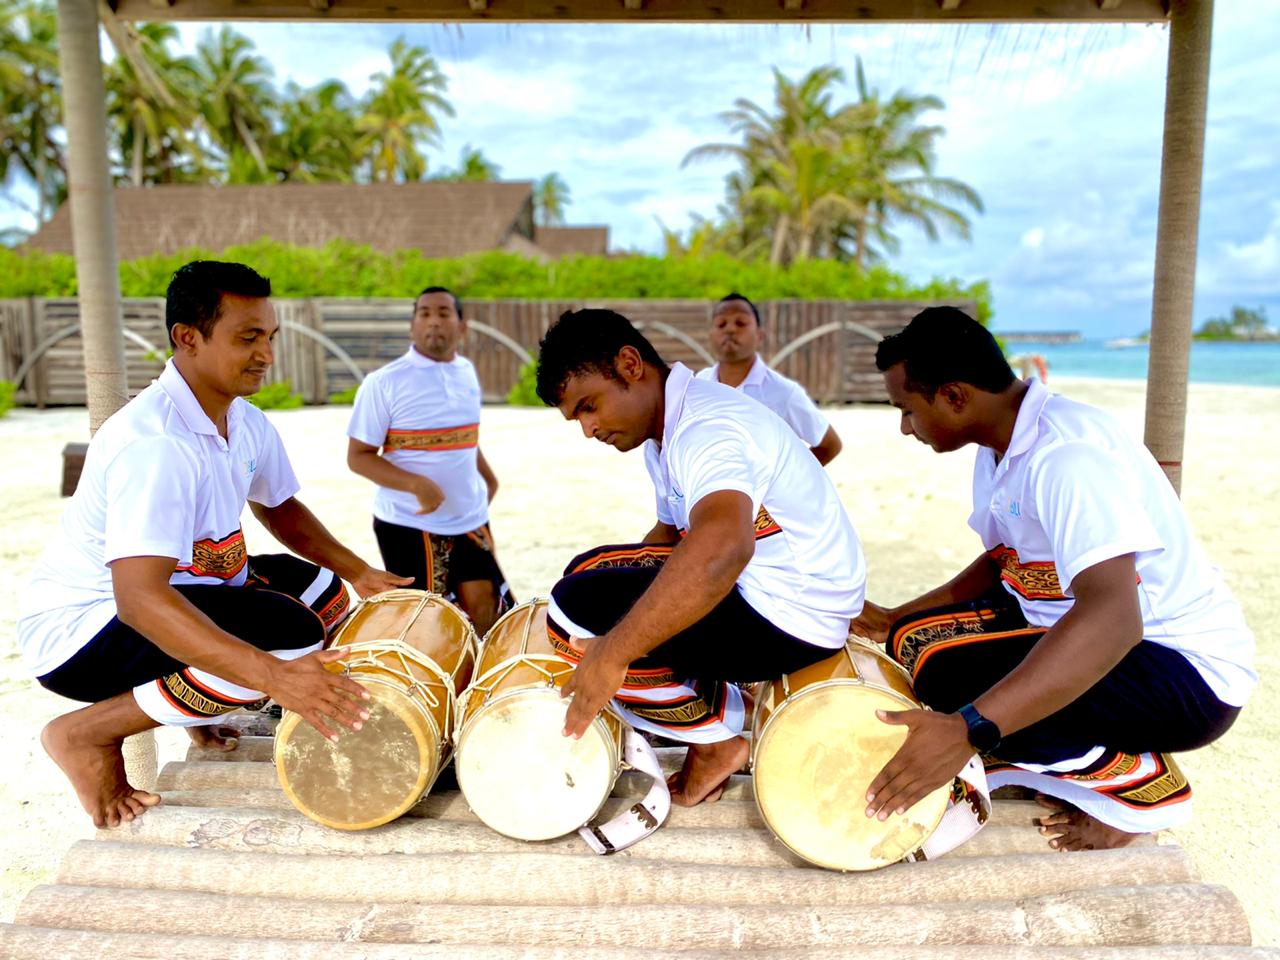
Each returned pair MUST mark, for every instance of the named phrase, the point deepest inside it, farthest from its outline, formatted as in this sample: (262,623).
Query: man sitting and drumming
(1123,643)
(147,604)
(431,511)
(765,573)
(736,338)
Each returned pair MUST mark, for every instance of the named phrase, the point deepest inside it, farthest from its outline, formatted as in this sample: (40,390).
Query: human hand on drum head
(936,749)
(429,495)
(371,580)
(320,696)
(593,684)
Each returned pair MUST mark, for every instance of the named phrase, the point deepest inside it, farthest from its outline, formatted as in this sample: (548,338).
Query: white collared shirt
(425,415)
(1075,489)
(780,394)
(158,481)
(807,575)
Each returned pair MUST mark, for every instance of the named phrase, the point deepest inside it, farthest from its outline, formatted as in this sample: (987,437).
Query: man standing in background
(415,433)
(736,338)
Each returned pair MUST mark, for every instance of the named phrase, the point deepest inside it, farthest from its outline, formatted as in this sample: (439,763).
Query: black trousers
(733,642)
(438,562)
(265,613)
(1154,700)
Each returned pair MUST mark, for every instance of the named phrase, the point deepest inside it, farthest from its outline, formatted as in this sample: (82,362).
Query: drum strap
(645,815)
(968,810)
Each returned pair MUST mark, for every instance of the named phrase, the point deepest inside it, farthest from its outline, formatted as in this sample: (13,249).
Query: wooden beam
(1109,4)
(478,6)
(161,4)
(793,5)
(675,11)
(320,5)
(948,5)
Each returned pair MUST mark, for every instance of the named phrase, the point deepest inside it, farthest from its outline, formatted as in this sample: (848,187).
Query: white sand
(561,494)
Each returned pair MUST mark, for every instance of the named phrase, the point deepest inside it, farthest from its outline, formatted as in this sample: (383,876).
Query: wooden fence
(828,346)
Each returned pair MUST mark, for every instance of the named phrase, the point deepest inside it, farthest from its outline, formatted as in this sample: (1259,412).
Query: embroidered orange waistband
(1034,580)
(443,438)
(222,559)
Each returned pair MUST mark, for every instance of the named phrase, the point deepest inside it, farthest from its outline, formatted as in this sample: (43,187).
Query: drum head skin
(814,762)
(370,776)
(522,777)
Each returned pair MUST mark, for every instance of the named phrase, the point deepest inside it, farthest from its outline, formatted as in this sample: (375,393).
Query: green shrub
(7,390)
(344,398)
(343,269)
(277,396)
(524,391)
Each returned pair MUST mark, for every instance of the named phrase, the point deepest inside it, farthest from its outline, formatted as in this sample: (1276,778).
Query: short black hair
(457,304)
(734,295)
(946,345)
(586,341)
(195,292)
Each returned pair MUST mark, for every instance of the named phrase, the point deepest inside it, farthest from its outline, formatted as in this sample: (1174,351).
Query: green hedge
(342,269)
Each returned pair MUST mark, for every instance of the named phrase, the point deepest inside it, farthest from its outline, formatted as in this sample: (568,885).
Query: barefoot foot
(1069,828)
(706,768)
(225,739)
(96,771)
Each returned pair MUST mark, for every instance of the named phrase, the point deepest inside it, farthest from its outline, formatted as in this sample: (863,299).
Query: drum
(518,772)
(413,651)
(817,746)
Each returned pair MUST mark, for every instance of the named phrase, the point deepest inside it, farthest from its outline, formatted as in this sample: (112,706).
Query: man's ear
(185,338)
(629,364)
(956,395)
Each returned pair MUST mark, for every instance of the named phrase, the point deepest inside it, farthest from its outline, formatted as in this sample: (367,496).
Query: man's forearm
(373,466)
(974,581)
(166,618)
(302,532)
(698,575)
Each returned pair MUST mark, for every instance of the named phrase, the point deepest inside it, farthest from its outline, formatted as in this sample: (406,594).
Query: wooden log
(24,943)
(532,878)
(291,832)
(1185,913)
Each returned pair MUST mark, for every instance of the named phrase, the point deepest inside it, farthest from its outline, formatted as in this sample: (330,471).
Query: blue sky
(1057,127)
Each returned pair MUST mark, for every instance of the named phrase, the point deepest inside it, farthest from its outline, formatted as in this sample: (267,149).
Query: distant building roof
(562,241)
(440,218)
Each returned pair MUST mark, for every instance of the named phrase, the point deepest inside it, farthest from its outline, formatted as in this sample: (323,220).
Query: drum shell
(413,652)
(791,770)
(518,668)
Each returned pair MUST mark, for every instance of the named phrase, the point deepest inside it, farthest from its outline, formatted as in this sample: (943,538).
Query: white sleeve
(663,509)
(151,501)
(1090,509)
(273,481)
(370,415)
(715,455)
(803,416)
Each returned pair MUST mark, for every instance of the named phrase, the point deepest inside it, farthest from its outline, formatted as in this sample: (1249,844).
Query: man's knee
(285,624)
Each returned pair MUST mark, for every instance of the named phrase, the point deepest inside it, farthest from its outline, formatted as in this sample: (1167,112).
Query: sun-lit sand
(561,494)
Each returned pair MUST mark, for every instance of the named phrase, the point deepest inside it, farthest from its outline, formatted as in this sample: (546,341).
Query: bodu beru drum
(817,744)
(519,774)
(414,652)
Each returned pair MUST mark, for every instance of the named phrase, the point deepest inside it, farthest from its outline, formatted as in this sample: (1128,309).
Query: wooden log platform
(225,868)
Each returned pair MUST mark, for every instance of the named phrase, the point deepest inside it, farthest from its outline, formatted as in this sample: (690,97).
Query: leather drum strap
(964,818)
(645,815)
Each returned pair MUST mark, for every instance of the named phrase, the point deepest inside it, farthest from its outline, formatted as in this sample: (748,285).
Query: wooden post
(1181,168)
(93,232)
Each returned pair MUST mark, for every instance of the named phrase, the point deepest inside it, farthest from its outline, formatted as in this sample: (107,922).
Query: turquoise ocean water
(1248,364)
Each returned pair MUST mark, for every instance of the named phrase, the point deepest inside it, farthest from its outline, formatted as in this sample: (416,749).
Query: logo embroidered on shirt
(250,466)
(1015,508)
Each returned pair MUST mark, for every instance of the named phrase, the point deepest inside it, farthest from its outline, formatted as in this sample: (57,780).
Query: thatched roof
(562,241)
(440,218)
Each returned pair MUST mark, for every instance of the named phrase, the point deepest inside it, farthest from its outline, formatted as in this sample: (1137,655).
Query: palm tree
(473,166)
(31,102)
(237,95)
(894,157)
(550,198)
(150,97)
(317,138)
(400,114)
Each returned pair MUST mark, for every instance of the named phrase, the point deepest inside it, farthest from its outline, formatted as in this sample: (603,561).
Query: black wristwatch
(983,734)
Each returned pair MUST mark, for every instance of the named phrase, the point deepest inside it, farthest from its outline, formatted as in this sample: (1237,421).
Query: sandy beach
(560,494)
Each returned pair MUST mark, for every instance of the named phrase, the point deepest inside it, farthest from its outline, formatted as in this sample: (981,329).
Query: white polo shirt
(425,415)
(1074,489)
(782,395)
(158,481)
(807,575)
